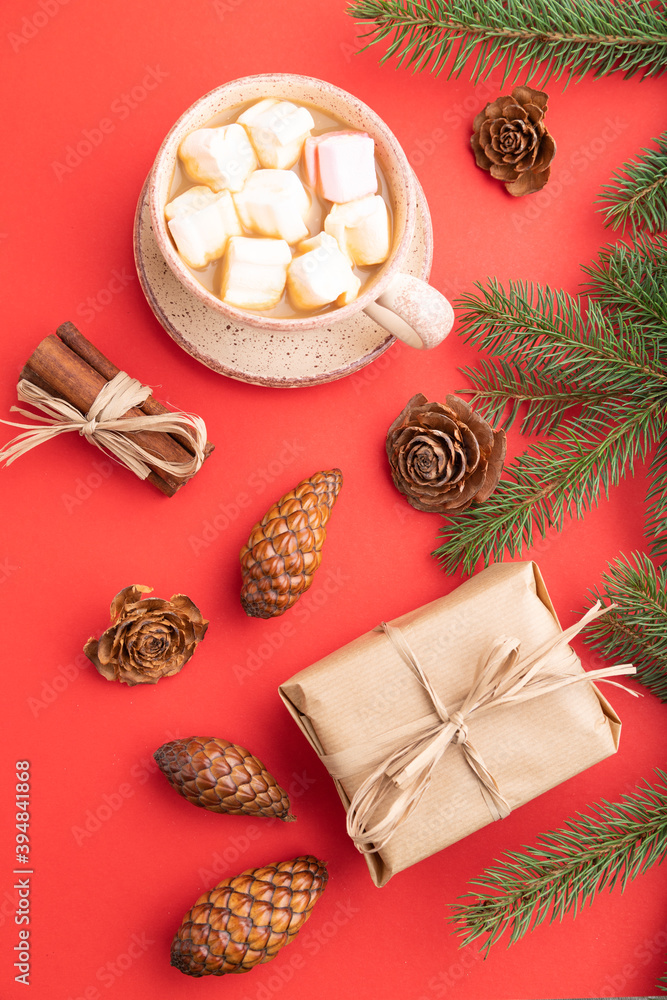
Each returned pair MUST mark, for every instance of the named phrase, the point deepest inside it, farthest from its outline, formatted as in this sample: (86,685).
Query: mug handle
(413,311)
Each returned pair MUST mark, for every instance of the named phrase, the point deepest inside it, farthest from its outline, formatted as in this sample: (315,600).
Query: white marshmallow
(277,130)
(321,275)
(274,203)
(220,157)
(255,272)
(341,165)
(361,228)
(201,223)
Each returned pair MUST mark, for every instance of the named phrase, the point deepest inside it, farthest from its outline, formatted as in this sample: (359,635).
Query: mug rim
(256,319)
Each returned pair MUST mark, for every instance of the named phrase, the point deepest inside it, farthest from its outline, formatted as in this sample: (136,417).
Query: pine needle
(635,631)
(655,528)
(637,194)
(564,37)
(593,376)
(567,868)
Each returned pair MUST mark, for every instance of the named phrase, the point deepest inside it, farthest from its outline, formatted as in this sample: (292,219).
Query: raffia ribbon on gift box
(404,758)
(106,426)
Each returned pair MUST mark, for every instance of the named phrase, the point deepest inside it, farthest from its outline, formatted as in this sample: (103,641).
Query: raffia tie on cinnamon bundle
(403,759)
(79,389)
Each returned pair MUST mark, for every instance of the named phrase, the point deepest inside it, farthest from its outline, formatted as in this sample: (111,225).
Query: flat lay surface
(117,857)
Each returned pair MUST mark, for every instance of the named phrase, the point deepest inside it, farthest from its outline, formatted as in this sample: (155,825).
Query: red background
(71,540)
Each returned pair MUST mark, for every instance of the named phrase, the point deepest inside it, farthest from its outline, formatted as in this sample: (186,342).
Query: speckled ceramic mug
(407,307)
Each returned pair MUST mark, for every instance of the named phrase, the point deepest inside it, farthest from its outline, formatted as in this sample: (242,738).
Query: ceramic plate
(249,354)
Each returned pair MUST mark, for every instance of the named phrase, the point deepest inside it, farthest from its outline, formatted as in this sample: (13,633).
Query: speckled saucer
(261,357)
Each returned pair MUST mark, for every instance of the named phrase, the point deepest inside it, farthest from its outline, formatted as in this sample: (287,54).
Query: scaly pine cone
(247,919)
(511,140)
(222,777)
(444,456)
(285,547)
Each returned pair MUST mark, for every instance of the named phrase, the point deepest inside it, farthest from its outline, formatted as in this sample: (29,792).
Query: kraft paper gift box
(355,696)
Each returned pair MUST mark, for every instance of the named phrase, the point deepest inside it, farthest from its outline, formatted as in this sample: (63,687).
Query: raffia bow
(404,758)
(106,426)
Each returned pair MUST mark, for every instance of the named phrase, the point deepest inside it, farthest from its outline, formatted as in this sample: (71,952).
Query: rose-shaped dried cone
(147,639)
(444,456)
(285,547)
(247,919)
(511,141)
(222,777)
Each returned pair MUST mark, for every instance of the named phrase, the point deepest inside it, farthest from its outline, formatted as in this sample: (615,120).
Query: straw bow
(106,426)
(403,759)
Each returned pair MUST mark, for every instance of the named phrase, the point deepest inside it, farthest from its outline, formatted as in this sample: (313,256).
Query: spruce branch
(549,482)
(567,868)
(662,982)
(655,528)
(632,281)
(565,37)
(594,377)
(637,194)
(636,629)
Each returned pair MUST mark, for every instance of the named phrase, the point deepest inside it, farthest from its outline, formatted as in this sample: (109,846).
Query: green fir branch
(594,378)
(637,194)
(662,982)
(500,390)
(635,631)
(548,483)
(566,38)
(567,868)
(547,331)
(632,281)
(655,528)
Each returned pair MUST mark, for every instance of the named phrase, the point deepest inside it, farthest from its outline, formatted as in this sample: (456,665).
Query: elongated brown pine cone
(247,919)
(222,777)
(285,547)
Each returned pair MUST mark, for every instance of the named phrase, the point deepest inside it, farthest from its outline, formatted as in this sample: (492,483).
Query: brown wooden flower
(148,639)
(511,140)
(444,456)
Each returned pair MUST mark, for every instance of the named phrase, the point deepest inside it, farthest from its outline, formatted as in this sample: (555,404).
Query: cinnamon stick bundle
(69,367)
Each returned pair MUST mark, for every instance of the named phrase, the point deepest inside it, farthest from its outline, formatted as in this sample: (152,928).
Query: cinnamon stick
(73,379)
(41,383)
(76,342)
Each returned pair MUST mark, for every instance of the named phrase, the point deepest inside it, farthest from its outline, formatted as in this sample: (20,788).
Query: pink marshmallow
(310,159)
(341,165)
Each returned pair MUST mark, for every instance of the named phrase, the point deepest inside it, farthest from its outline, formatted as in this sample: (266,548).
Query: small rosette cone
(222,777)
(511,141)
(285,547)
(444,456)
(247,919)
